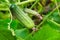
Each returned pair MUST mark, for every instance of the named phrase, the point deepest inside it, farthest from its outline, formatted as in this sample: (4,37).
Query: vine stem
(57,7)
(24,2)
(9,25)
(46,17)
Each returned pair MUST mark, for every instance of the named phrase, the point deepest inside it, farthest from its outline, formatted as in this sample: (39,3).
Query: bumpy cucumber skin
(21,16)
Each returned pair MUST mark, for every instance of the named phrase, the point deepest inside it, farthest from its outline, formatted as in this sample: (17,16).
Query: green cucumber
(21,16)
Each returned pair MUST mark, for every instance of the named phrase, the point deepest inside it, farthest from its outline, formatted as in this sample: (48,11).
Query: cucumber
(21,16)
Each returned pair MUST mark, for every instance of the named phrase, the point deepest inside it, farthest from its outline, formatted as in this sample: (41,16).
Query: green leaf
(53,24)
(55,16)
(46,33)
(19,38)
(14,24)
(4,23)
(6,35)
(22,33)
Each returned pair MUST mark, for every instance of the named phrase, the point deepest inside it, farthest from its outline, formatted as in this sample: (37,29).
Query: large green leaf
(6,35)
(47,32)
(53,24)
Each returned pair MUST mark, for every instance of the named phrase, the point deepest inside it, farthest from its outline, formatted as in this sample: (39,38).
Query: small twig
(34,4)
(41,7)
